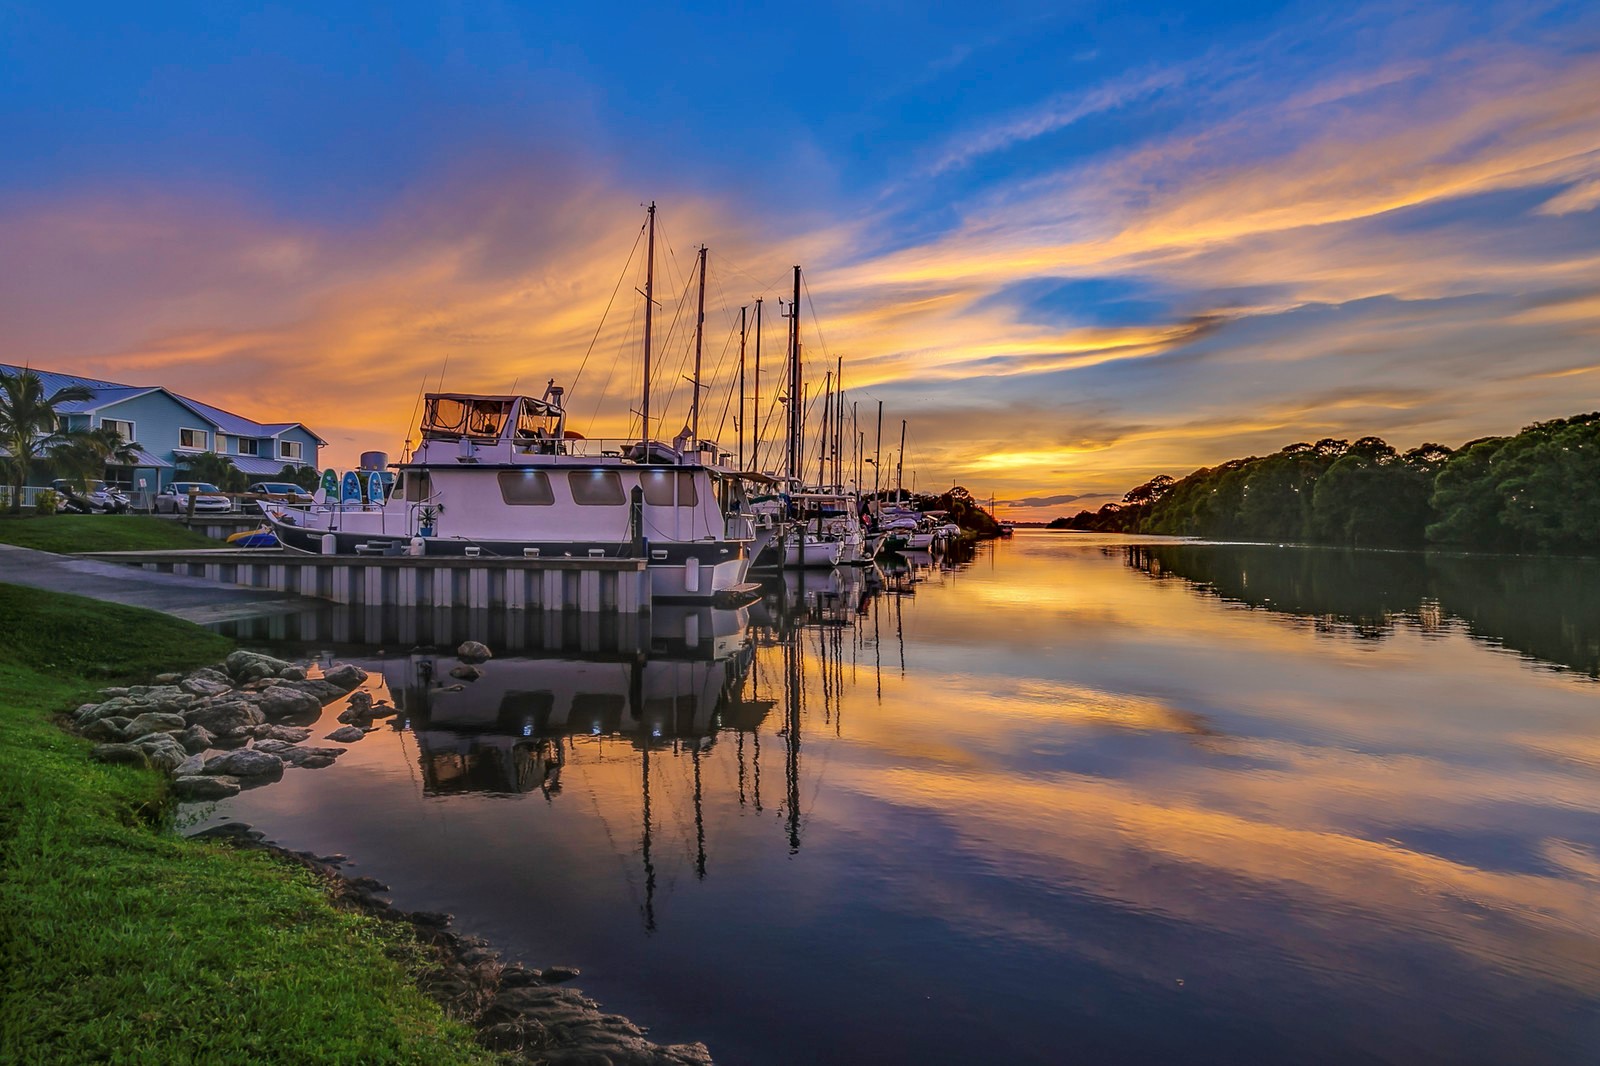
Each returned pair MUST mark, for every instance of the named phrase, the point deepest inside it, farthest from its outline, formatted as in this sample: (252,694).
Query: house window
(248,446)
(121,428)
(192,439)
(290,449)
(527,488)
(596,488)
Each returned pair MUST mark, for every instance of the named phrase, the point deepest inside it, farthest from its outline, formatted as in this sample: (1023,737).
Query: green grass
(99,533)
(121,941)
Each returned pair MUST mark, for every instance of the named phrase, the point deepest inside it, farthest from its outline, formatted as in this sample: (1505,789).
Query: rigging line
(627,342)
(727,402)
(673,390)
(806,283)
(601,325)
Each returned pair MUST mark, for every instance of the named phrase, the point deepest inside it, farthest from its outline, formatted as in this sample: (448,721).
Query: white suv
(174,499)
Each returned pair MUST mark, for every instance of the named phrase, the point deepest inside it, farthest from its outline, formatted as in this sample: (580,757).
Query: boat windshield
(481,417)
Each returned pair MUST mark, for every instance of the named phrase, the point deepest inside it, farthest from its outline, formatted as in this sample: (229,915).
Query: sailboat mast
(900,467)
(755,406)
(827,431)
(699,336)
(649,318)
(877,454)
(838,426)
(741,387)
(796,410)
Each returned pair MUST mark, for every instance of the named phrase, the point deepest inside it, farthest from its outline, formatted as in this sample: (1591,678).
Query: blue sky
(1075,245)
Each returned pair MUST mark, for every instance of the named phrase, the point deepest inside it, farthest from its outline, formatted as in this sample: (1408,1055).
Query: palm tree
(30,427)
(88,452)
(214,469)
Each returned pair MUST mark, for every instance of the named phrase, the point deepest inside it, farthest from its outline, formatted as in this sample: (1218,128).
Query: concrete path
(191,598)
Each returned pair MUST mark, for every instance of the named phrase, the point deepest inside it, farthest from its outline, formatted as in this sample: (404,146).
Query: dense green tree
(30,426)
(87,453)
(215,469)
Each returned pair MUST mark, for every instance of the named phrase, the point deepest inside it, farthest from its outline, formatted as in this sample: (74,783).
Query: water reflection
(1545,608)
(1078,799)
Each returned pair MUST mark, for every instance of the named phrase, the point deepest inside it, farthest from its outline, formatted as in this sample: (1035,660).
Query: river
(1080,798)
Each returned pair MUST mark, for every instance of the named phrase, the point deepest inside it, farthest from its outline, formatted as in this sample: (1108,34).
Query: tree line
(1537,491)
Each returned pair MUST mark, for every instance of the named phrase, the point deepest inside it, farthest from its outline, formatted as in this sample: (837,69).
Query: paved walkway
(191,598)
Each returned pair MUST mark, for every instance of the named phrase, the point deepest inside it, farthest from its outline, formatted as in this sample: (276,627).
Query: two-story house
(169,427)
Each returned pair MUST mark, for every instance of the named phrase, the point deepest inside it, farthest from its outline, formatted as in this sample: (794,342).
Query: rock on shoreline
(240,724)
(515,1010)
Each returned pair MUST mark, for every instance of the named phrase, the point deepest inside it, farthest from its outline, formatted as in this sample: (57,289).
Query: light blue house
(169,427)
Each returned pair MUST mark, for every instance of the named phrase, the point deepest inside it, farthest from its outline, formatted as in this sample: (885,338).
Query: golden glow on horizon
(340,330)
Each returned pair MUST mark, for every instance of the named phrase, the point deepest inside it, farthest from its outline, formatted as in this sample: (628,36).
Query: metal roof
(109,392)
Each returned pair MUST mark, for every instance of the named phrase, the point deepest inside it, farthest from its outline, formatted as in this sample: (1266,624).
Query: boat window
(526,488)
(658,485)
(596,488)
(664,488)
(688,495)
(417,486)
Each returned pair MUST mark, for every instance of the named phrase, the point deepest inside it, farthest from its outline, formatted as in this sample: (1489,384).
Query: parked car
(174,499)
(94,497)
(280,492)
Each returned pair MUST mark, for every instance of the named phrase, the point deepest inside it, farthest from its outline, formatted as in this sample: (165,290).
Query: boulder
(168,679)
(311,758)
(247,666)
(360,701)
(195,787)
(294,734)
(119,755)
(194,764)
(204,686)
(347,734)
(111,693)
(383,710)
(471,651)
(466,672)
(557,974)
(106,729)
(272,747)
(293,673)
(344,676)
(225,719)
(279,702)
(112,708)
(314,686)
(196,738)
(155,722)
(246,762)
(163,750)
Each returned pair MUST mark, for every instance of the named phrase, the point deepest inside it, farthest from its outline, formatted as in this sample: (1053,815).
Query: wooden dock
(594,586)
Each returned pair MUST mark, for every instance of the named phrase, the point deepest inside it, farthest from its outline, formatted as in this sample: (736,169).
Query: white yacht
(499,476)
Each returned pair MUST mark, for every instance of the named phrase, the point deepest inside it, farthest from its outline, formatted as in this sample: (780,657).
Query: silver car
(174,499)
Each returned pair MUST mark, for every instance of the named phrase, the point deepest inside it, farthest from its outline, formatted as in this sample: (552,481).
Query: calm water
(1077,800)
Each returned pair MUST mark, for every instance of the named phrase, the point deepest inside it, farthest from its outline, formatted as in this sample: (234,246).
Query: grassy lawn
(120,941)
(66,533)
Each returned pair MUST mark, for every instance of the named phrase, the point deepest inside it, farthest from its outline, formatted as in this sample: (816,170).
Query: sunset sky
(1075,245)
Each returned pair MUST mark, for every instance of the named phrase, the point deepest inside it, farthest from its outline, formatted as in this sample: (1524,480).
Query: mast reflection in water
(1090,799)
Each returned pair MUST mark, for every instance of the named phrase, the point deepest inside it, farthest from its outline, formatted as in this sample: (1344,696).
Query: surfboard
(351,496)
(375,489)
(328,490)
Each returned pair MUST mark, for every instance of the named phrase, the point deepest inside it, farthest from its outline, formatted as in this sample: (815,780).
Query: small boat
(254,538)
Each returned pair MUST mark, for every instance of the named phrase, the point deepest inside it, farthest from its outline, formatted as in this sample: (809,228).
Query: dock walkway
(195,599)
